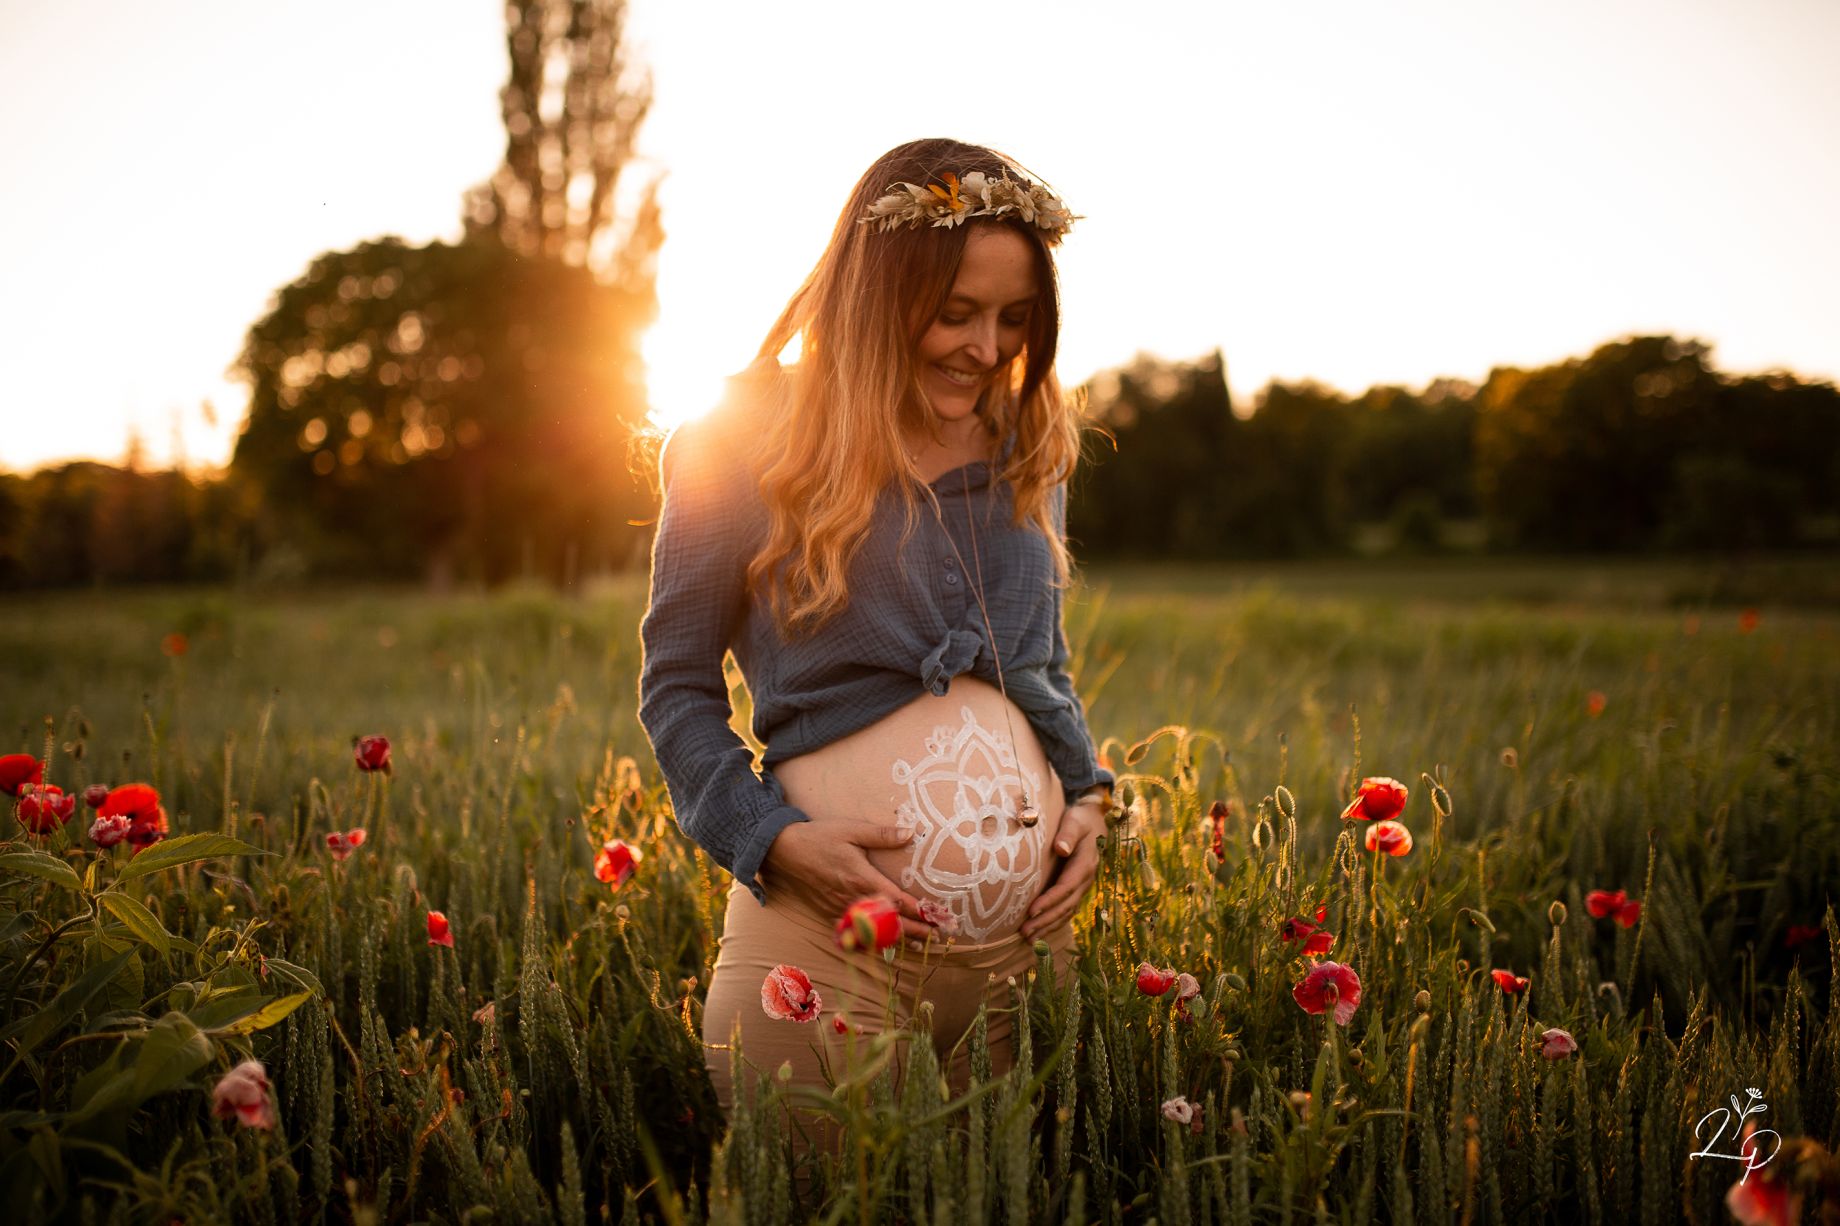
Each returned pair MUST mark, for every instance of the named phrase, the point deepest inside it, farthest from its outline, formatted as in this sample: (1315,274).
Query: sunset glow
(1354,193)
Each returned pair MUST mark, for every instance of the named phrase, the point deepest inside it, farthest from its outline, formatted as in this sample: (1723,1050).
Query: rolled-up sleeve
(698,600)
(1083,770)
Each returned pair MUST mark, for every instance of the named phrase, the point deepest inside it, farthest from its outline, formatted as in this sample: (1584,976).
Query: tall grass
(1706,788)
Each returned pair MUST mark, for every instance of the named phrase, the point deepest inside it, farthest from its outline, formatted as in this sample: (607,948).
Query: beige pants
(955,977)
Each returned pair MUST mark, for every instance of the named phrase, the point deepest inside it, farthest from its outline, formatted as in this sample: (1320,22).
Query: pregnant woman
(877,532)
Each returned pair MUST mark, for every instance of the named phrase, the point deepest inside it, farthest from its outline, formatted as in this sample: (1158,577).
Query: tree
(464,409)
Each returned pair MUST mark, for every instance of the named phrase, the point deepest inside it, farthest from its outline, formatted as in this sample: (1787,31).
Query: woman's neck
(960,444)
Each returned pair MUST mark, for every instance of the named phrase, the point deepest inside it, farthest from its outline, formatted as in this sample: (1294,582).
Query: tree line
(509,449)
(1640,445)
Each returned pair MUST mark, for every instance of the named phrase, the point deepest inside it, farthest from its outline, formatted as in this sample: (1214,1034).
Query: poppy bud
(1423,1001)
(95,794)
(1287,804)
(1556,913)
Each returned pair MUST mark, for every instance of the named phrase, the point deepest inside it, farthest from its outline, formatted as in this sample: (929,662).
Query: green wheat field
(1664,730)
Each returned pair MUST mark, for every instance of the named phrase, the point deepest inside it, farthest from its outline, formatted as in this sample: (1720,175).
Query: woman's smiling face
(983,324)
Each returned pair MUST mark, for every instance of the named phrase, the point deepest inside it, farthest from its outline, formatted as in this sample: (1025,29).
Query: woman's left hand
(1077,845)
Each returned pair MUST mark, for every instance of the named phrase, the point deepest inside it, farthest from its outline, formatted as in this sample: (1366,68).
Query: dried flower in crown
(953,201)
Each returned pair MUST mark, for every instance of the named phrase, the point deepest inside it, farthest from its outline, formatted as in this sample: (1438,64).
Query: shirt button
(951,576)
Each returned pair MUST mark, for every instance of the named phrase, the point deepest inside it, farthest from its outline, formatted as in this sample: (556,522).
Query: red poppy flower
(342,843)
(130,799)
(869,923)
(1762,1197)
(1603,904)
(616,862)
(1557,1044)
(1217,814)
(840,1023)
(95,794)
(1316,941)
(108,831)
(1509,982)
(1187,989)
(43,807)
(17,769)
(372,753)
(1801,934)
(787,995)
(439,931)
(1747,621)
(1329,985)
(1390,837)
(175,644)
(1594,703)
(140,804)
(243,1093)
(1378,799)
(1154,981)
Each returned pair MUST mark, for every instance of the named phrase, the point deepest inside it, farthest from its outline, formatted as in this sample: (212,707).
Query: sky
(1353,191)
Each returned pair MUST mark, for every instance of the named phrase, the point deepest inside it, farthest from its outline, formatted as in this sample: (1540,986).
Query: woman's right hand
(826,866)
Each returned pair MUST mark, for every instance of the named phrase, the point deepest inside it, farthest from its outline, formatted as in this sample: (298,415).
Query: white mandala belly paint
(969,851)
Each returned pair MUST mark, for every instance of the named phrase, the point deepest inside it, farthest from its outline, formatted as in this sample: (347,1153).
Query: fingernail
(1062,848)
(915,946)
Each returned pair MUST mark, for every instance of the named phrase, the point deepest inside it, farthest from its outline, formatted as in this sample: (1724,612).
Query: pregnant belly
(943,766)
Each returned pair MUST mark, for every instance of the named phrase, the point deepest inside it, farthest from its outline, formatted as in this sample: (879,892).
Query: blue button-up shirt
(911,625)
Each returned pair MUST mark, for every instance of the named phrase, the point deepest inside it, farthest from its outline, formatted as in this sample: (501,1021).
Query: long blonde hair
(826,435)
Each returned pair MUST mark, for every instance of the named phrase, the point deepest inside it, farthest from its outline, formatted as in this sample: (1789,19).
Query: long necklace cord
(1028,814)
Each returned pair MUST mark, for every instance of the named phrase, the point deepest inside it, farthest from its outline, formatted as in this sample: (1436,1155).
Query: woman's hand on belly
(1073,877)
(825,866)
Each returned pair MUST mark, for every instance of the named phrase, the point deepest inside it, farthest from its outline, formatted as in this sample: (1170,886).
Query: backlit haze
(1354,192)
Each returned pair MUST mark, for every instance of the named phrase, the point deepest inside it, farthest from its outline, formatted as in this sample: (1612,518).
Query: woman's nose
(983,345)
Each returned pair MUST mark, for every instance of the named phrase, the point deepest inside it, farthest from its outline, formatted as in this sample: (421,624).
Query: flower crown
(976,195)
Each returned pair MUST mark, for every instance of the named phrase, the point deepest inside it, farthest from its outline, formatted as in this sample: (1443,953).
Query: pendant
(1028,815)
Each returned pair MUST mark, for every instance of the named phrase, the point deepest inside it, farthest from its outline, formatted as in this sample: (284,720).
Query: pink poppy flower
(1179,1110)
(1187,988)
(439,931)
(939,916)
(1603,904)
(1378,799)
(243,1092)
(787,995)
(1390,837)
(1801,934)
(17,769)
(1329,985)
(840,1023)
(342,843)
(95,794)
(1557,1044)
(372,753)
(1152,981)
(43,807)
(108,831)
(1509,982)
(869,923)
(616,862)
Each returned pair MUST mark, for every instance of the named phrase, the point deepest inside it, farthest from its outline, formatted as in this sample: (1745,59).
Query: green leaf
(269,1014)
(220,1009)
(140,921)
(18,926)
(66,1005)
(186,849)
(299,976)
(41,864)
